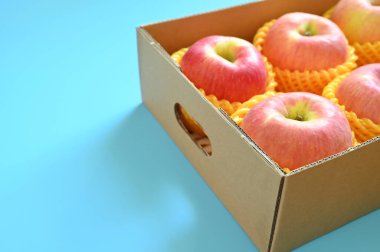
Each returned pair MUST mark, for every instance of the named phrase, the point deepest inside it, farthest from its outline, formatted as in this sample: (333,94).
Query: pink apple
(360,92)
(227,67)
(296,129)
(301,41)
(358,19)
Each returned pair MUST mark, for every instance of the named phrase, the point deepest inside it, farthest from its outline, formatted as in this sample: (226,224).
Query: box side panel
(324,197)
(241,21)
(239,175)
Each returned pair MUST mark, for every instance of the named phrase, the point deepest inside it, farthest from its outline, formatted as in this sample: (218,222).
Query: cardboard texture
(278,211)
(322,198)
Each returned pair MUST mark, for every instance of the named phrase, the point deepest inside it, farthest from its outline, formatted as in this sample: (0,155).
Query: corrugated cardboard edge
(275,216)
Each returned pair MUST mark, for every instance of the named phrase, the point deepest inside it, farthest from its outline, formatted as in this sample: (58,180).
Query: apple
(298,128)
(358,19)
(301,41)
(227,67)
(360,92)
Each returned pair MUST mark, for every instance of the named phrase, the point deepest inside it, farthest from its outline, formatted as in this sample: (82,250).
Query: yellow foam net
(367,52)
(227,106)
(307,81)
(245,107)
(364,128)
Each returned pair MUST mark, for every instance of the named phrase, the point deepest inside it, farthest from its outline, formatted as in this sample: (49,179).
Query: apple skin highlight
(358,19)
(227,67)
(305,42)
(360,92)
(296,129)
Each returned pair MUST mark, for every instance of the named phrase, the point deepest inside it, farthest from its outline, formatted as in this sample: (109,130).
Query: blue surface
(84,166)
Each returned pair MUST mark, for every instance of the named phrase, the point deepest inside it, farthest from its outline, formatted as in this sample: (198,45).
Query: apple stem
(226,50)
(308,30)
(299,117)
(307,33)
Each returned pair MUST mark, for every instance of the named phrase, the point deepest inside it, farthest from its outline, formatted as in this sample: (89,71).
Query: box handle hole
(193,129)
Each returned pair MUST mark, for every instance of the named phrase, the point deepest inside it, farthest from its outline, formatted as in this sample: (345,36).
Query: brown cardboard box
(278,211)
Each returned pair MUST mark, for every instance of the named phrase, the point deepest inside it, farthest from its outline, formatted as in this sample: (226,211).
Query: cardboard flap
(240,21)
(324,197)
(237,172)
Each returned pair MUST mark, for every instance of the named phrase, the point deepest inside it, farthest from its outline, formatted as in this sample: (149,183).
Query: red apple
(227,67)
(358,19)
(301,41)
(296,129)
(360,92)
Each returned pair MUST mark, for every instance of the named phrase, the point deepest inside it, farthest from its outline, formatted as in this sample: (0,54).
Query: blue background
(83,165)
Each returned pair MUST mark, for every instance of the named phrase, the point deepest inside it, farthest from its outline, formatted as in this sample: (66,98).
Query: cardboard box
(278,211)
